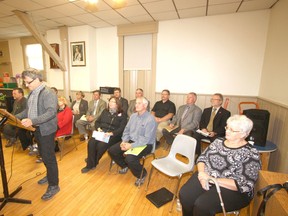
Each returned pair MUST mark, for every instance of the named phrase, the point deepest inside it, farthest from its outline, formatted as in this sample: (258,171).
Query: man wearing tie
(186,120)
(213,121)
(95,107)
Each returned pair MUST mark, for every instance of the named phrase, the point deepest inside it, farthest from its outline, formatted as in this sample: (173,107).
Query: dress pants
(160,128)
(9,131)
(170,136)
(46,146)
(132,161)
(198,138)
(25,138)
(81,125)
(196,201)
(96,149)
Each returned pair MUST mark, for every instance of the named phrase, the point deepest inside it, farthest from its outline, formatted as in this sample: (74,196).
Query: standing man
(213,121)
(131,108)
(20,103)
(41,112)
(163,111)
(186,120)
(95,108)
(139,131)
(123,101)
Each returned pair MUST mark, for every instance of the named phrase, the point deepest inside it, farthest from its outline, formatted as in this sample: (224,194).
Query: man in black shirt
(163,111)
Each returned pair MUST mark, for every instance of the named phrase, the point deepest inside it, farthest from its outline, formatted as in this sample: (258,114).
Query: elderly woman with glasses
(233,163)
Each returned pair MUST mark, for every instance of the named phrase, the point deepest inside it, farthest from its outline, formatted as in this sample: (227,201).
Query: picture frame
(53,65)
(78,56)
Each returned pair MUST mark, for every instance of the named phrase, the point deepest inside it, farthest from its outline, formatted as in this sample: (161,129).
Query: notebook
(160,197)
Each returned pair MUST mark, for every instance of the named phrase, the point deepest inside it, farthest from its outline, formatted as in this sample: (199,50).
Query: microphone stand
(7,197)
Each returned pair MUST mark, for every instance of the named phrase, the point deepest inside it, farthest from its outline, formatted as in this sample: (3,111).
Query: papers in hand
(83,117)
(169,129)
(135,151)
(100,136)
(206,134)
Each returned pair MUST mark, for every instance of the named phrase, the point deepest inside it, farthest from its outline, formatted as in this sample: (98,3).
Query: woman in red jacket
(64,117)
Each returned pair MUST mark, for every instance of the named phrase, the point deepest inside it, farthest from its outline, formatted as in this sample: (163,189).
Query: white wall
(275,69)
(83,78)
(212,54)
(107,57)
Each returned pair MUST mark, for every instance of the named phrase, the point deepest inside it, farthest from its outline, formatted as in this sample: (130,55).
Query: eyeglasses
(231,130)
(212,99)
(28,83)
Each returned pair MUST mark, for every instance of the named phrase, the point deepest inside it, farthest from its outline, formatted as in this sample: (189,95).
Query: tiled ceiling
(50,14)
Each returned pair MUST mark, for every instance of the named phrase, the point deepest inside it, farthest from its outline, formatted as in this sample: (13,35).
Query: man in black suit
(213,121)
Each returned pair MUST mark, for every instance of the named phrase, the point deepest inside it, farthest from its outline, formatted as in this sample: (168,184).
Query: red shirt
(64,122)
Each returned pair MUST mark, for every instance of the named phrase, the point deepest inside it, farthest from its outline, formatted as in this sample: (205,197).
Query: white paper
(100,136)
(206,134)
(83,117)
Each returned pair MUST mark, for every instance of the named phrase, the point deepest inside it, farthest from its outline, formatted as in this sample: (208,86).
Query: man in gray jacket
(186,120)
(41,112)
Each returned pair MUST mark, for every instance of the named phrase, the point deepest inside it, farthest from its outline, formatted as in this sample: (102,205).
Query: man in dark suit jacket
(217,126)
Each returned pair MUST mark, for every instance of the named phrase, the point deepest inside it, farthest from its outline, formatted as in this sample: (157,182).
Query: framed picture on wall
(78,54)
(53,65)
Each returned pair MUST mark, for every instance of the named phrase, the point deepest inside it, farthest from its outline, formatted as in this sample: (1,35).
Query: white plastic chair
(171,166)
(61,139)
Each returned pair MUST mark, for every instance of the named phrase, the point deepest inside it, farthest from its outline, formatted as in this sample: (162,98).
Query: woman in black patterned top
(233,162)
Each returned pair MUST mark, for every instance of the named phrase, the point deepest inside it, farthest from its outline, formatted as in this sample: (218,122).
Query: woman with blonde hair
(79,106)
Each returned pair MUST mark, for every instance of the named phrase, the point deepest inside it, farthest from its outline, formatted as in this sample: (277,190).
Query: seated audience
(213,121)
(163,111)
(140,131)
(233,163)
(95,108)
(55,90)
(131,108)
(64,117)
(79,106)
(112,122)
(123,101)
(186,120)
(10,132)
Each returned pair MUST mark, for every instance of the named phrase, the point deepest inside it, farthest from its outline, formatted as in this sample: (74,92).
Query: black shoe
(139,181)
(43,180)
(51,191)
(123,171)
(68,137)
(87,169)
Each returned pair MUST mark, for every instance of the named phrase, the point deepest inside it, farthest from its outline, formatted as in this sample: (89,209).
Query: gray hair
(244,124)
(144,101)
(32,73)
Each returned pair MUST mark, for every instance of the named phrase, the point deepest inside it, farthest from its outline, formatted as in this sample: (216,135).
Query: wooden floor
(95,193)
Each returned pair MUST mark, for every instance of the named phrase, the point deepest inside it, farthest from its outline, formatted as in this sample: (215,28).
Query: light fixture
(91,5)
(117,4)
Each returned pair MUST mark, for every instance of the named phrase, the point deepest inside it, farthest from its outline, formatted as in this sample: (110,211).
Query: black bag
(266,195)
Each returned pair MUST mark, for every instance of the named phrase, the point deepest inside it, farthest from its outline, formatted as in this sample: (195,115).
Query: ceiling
(51,14)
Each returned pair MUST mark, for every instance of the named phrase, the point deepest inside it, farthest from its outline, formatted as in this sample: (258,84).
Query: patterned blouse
(241,164)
